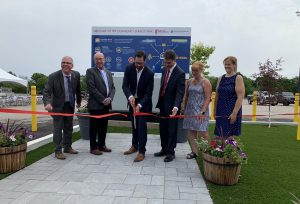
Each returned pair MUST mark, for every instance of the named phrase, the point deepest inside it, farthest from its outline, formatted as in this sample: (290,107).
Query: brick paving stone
(111,178)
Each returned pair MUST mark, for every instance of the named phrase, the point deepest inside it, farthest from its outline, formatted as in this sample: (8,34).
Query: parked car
(263,98)
(286,98)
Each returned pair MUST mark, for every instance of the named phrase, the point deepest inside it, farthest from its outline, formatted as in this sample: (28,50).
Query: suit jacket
(174,91)
(97,88)
(54,92)
(145,86)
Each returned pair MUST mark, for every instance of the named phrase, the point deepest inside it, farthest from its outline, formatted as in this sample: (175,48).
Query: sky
(34,35)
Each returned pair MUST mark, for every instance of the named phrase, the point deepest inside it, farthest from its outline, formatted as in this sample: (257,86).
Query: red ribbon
(15,111)
(8,110)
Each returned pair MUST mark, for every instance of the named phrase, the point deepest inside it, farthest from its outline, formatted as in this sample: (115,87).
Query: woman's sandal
(191,155)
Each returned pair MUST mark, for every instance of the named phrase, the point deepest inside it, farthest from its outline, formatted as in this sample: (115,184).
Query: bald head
(67,58)
(99,60)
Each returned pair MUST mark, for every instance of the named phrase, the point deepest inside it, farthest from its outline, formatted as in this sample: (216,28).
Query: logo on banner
(130,59)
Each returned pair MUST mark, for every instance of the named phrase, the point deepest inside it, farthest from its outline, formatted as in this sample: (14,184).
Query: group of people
(176,95)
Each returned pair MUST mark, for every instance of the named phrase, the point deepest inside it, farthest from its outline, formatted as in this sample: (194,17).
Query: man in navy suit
(61,92)
(170,97)
(138,87)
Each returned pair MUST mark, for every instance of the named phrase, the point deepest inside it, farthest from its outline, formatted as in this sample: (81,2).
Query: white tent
(6,77)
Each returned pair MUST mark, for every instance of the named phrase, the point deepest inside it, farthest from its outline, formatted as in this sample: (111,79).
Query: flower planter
(12,158)
(222,171)
(84,126)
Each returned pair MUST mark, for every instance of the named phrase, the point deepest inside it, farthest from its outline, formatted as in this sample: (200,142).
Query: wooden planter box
(12,158)
(221,171)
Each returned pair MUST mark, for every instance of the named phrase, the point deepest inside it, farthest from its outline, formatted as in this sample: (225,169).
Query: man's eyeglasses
(66,62)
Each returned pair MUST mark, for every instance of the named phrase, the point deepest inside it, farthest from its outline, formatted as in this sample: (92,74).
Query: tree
(39,80)
(267,78)
(249,85)
(83,85)
(200,52)
(10,72)
(16,88)
(213,80)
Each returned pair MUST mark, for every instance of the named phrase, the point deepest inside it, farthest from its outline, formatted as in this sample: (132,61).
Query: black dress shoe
(169,158)
(159,154)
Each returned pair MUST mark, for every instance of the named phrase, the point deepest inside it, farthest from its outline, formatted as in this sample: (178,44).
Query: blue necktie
(70,91)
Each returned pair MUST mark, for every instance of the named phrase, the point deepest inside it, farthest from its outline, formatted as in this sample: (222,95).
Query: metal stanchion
(212,105)
(254,103)
(33,107)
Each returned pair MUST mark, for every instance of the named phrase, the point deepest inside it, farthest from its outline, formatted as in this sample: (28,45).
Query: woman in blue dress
(195,103)
(230,92)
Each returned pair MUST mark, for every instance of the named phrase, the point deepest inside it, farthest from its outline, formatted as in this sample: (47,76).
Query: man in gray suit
(101,93)
(59,97)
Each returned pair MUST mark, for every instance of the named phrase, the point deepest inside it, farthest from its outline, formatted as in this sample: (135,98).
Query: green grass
(272,171)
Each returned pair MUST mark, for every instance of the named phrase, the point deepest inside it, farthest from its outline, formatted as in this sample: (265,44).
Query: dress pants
(168,130)
(139,132)
(98,126)
(65,124)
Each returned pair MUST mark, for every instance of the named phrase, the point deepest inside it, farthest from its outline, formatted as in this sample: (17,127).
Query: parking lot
(264,110)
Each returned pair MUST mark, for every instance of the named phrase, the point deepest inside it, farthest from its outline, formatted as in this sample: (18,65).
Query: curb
(34,144)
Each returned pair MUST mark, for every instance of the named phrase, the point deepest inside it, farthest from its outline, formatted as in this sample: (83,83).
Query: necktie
(165,83)
(104,76)
(70,91)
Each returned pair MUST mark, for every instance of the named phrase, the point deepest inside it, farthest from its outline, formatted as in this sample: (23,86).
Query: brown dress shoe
(131,150)
(96,152)
(139,157)
(60,155)
(104,149)
(70,151)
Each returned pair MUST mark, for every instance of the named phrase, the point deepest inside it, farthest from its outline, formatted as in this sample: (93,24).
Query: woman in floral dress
(195,103)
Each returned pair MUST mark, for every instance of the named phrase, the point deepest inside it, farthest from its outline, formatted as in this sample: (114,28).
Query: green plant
(223,148)
(13,134)
(83,109)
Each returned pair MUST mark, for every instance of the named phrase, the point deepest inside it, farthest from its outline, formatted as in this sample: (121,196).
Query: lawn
(272,171)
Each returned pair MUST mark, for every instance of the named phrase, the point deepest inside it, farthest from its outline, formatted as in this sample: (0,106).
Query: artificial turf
(272,170)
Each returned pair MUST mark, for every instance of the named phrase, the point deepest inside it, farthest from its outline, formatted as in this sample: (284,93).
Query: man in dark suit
(170,97)
(138,87)
(59,96)
(101,93)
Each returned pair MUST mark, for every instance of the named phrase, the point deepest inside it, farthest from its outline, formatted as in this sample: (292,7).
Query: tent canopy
(7,77)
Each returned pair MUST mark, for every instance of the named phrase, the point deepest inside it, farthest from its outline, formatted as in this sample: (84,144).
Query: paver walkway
(112,178)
